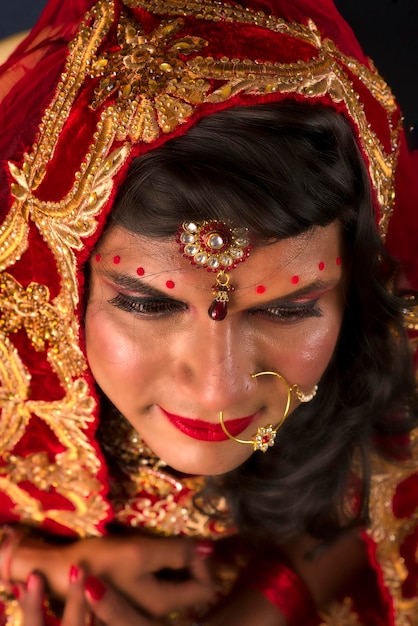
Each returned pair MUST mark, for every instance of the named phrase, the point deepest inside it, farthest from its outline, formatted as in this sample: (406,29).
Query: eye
(291,312)
(149,307)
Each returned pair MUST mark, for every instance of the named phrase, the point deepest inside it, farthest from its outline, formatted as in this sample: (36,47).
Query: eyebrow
(307,290)
(135,285)
(140,287)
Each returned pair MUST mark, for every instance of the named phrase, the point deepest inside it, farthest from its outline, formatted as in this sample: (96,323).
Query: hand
(128,565)
(89,602)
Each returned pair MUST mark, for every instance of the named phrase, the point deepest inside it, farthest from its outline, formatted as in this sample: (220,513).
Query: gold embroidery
(149,494)
(142,73)
(410,313)
(341,614)
(315,78)
(389,532)
(62,225)
(216,12)
(327,73)
(12,611)
(52,327)
(65,477)
(92,31)
(165,505)
(14,231)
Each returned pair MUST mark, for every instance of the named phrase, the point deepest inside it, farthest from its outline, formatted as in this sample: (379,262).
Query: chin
(193,463)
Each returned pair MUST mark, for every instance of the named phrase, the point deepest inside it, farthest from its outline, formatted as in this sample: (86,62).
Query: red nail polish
(95,588)
(74,571)
(204,548)
(16,592)
(31,582)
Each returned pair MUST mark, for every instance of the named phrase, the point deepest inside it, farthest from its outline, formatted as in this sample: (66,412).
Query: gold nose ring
(266,435)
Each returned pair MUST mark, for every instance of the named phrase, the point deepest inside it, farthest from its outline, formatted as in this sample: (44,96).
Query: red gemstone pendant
(218,310)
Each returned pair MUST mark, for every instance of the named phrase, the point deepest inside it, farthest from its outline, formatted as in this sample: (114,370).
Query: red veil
(72,118)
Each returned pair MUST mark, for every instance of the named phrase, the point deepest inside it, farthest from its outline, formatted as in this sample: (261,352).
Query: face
(170,369)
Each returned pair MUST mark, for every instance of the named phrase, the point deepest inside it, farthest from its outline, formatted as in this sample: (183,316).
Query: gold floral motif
(14,230)
(211,10)
(341,614)
(143,74)
(63,224)
(326,73)
(65,477)
(149,494)
(31,309)
(320,76)
(389,532)
(51,326)
(166,505)
(92,30)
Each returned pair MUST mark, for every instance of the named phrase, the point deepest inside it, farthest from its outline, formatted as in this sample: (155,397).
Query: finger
(110,607)
(155,553)
(159,598)
(198,566)
(31,600)
(77,611)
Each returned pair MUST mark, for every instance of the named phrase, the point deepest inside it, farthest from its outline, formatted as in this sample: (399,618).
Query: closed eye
(289,312)
(148,307)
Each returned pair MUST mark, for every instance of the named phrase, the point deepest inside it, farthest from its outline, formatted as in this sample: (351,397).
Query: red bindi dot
(98,257)
(260,289)
(116,259)
(321,266)
(140,271)
(170,284)
(295,280)
(338,260)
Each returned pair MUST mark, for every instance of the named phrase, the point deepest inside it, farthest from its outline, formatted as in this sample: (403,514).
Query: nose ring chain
(266,435)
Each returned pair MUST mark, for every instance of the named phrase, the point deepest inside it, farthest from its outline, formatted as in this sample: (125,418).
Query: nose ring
(266,435)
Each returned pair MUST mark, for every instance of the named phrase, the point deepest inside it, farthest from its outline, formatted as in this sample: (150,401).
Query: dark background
(386,29)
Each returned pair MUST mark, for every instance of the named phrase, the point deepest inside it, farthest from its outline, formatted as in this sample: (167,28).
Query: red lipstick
(206,431)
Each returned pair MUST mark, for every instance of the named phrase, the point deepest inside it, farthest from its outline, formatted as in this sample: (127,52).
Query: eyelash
(147,306)
(290,313)
(160,308)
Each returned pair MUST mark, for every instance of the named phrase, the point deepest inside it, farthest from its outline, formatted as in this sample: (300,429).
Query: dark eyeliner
(289,312)
(153,307)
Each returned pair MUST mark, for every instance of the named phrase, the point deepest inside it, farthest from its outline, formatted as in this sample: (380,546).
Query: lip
(206,431)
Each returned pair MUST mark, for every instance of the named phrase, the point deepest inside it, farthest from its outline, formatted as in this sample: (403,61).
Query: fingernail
(16,592)
(74,572)
(204,548)
(94,588)
(31,582)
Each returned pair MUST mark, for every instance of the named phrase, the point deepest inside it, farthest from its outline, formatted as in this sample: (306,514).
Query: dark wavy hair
(280,169)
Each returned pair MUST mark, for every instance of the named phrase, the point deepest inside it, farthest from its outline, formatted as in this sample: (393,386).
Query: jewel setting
(265,438)
(218,247)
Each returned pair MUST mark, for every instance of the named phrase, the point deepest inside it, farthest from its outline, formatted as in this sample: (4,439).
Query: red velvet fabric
(287,592)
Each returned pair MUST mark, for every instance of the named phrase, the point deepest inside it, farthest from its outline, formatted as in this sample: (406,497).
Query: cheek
(318,349)
(115,353)
(306,357)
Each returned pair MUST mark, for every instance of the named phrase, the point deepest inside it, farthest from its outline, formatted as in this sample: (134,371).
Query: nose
(214,363)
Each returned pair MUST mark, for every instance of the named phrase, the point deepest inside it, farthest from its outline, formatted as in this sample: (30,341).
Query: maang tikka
(218,247)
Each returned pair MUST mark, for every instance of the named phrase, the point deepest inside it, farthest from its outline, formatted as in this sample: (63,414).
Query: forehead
(317,250)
